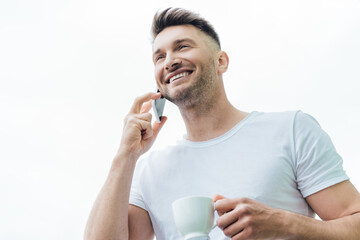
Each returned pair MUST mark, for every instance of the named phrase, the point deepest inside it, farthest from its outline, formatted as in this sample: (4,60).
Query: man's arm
(112,217)
(338,205)
(140,226)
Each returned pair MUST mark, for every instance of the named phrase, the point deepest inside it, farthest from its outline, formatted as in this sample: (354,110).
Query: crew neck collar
(221,138)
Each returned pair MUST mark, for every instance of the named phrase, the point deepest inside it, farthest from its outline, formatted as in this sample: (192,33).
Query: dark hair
(178,16)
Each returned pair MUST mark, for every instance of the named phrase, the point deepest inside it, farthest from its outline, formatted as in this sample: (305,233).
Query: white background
(69,71)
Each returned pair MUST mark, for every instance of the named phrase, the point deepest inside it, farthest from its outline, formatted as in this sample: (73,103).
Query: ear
(223,62)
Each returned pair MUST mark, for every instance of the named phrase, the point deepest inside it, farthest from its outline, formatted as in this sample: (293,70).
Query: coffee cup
(194,216)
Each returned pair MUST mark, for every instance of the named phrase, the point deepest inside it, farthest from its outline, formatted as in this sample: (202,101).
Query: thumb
(157,126)
(218,197)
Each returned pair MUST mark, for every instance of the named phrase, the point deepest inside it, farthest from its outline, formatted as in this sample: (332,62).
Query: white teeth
(183,74)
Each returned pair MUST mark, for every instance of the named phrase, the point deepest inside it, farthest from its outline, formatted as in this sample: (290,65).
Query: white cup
(194,216)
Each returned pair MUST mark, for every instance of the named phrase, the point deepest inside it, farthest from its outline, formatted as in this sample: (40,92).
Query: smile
(179,75)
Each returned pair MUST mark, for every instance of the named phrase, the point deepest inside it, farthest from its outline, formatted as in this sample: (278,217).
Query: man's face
(184,62)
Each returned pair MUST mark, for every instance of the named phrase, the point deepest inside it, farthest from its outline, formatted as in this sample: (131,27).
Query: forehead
(170,35)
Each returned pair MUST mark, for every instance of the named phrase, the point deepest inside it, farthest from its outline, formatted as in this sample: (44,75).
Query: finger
(157,126)
(243,234)
(218,197)
(228,219)
(139,101)
(144,116)
(146,129)
(146,107)
(235,230)
(226,205)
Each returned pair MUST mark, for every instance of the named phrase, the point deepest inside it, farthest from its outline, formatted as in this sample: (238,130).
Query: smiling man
(189,79)
(276,169)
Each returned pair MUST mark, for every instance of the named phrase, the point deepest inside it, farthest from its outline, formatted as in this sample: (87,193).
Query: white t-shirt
(277,159)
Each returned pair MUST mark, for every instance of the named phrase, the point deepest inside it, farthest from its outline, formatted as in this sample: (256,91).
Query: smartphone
(158,107)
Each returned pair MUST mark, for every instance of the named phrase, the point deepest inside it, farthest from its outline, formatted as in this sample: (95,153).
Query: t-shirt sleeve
(136,196)
(318,165)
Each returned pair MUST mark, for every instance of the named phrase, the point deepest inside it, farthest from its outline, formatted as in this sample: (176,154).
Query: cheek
(158,73)
(159,69)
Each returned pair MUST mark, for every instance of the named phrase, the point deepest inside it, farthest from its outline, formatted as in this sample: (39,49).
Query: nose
(172,64)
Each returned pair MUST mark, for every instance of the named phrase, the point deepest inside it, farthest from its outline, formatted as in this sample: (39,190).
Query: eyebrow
(176,42)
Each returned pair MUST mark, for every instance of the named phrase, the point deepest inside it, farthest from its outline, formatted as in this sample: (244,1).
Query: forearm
(302,227)
(109,216)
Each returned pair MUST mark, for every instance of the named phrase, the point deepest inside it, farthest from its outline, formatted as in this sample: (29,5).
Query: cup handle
(215,213)
(215,225)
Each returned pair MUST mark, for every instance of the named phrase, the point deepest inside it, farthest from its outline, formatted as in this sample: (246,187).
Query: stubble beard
(199,94)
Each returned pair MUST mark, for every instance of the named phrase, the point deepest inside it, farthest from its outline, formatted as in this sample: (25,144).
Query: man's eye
(159,58)
(183,46)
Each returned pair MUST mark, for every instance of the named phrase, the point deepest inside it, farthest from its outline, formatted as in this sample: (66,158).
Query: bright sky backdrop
(70,69)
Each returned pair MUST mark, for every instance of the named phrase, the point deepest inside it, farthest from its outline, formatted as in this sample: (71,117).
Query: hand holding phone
(158,107)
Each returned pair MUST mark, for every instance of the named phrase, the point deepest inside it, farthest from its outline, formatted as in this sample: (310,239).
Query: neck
(210,119)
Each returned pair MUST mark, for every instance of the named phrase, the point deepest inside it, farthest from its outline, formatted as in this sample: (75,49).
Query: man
(273,170)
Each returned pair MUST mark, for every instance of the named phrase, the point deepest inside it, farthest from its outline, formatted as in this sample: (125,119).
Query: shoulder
(297,117)
(283,120)
(275,116)
(305,120)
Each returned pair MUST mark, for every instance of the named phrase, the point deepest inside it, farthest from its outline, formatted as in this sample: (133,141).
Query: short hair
(178,16)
